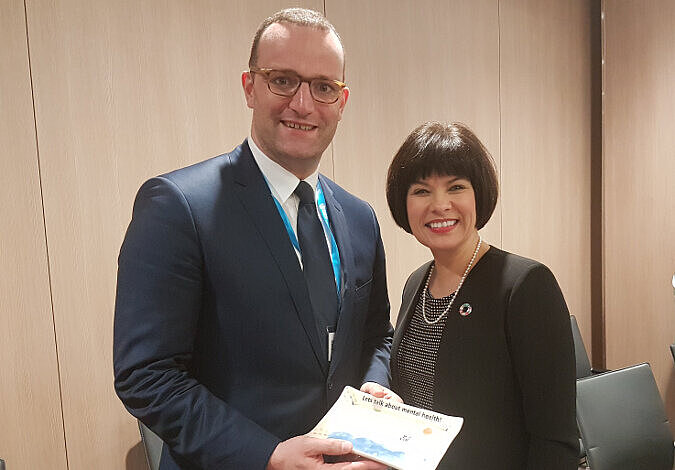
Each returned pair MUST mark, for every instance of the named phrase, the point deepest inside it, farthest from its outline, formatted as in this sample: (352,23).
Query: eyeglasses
(286,83)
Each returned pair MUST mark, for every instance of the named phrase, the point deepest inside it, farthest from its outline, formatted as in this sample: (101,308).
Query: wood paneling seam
(44,225)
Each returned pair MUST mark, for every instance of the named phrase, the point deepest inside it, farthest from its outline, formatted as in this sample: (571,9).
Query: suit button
(330,385)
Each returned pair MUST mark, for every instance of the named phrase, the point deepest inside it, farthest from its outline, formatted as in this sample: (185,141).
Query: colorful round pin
(465,309)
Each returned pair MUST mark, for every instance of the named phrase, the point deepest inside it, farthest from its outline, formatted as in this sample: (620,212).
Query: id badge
(331,336)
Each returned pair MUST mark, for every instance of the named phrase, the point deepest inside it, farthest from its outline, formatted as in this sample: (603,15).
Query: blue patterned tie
(316,263)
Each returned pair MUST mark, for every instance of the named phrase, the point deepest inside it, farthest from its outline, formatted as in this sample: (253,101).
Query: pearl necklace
(452,300)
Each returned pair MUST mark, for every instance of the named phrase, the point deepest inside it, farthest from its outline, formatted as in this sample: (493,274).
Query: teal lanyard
(334,253)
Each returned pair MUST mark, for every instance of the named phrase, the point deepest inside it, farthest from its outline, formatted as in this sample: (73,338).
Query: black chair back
(152,445)
(580,354)
(623,422)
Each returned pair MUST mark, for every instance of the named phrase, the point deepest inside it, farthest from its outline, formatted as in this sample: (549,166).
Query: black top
(418,352)
(507,367)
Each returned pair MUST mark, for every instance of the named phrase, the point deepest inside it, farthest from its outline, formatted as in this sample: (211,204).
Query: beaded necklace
(452,300)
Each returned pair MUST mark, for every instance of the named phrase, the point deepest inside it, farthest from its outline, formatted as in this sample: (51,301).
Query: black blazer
(215,343)
(507,368)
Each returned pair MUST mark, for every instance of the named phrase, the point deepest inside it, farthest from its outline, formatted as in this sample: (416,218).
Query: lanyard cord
(323,213)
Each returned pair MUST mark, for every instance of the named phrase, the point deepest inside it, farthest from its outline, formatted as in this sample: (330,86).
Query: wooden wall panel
(422,60)
(546,143)
(31,426)
(639,190)
(124,90)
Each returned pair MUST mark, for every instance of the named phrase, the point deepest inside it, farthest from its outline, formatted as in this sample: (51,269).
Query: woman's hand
(378,391)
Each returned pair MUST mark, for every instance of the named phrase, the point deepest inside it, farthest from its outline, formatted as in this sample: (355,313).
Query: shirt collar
(281,181)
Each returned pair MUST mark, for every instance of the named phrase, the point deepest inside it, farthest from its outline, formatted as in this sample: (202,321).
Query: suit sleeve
(157,312)
(378,330)
(540,338)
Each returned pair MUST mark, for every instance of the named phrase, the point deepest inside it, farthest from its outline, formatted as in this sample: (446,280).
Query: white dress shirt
(282,183)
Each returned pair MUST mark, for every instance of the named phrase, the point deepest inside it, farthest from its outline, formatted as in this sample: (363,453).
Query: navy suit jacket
(215,345)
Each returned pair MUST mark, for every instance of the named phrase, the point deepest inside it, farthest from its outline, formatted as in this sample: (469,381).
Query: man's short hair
(296,16)
(446,150)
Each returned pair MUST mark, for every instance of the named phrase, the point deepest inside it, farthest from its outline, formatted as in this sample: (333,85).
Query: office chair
(152,445)
(580,354)
(583,365)
(623,422)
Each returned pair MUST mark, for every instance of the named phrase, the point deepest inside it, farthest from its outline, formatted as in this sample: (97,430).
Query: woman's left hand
(378,391)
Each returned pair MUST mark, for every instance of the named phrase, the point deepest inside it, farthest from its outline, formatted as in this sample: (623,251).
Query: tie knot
(305,192)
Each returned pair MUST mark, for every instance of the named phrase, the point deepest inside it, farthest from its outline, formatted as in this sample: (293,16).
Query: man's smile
(299,126)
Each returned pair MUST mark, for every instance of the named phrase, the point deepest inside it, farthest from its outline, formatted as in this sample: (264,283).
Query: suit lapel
(343,240)
(256,198)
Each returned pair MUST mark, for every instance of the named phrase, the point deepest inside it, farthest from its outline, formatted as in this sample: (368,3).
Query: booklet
(398,435)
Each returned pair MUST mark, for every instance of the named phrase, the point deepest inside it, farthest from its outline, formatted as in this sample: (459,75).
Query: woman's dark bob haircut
(437,148)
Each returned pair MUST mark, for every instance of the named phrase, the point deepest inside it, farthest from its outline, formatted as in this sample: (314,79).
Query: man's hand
(378,391)
(303,452)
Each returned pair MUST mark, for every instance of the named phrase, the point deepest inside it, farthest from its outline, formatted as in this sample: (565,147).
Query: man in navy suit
(224,345)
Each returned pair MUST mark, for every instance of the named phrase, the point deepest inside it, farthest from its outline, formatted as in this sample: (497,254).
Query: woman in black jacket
(482,333)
